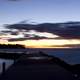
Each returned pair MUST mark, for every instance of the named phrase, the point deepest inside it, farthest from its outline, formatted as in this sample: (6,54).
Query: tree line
(9,46)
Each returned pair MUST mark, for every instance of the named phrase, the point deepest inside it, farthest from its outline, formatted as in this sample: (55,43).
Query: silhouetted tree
(9,46)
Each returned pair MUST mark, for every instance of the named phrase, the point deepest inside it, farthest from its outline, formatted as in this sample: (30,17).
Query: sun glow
(51,40)
(47,43)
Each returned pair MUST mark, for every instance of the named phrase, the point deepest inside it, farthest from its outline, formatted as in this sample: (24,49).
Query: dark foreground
(37,72)
(36,69)
(39,66)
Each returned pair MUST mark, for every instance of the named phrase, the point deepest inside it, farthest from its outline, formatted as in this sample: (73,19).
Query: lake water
(71,56)
(7,62)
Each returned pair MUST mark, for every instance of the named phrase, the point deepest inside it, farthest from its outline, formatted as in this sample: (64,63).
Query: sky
(39,11)
(49,37)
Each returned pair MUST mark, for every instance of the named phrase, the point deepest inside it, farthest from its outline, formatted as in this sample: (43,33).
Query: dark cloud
(65,30)
(14,33)
(6,31)
(16,39)
(21,26)
(30,38)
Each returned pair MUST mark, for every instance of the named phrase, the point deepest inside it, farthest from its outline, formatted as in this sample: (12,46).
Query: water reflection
(7,62)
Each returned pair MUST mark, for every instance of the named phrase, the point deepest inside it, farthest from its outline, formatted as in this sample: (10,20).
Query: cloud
(28,34)
(65,30)
(16,39)
(46,35)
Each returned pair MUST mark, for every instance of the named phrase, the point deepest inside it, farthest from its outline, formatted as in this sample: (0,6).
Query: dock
(36,67)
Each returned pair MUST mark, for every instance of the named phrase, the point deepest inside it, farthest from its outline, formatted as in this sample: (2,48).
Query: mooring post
(3,67)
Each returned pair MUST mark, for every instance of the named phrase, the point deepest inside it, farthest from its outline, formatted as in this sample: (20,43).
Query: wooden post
(3,67)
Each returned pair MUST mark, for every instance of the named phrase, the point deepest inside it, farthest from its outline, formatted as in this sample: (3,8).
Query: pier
(36,67)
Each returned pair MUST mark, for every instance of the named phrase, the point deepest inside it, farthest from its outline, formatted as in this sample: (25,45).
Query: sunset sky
(35,39)
(37,12)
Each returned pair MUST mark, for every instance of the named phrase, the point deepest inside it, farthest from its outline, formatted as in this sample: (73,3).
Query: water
(13,50)
(71,56)
(7,62)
